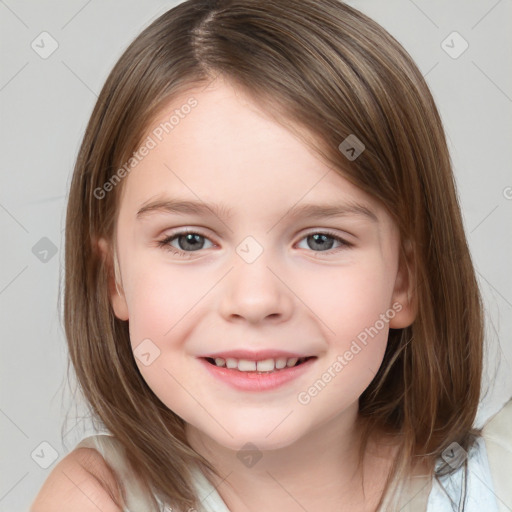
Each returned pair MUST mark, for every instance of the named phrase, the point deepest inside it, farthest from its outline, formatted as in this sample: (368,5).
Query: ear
(115,288)
(404,296)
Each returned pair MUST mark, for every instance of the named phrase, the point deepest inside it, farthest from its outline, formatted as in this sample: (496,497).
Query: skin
(294,297)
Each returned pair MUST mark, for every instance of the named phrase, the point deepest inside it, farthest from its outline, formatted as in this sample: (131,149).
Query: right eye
(184,238)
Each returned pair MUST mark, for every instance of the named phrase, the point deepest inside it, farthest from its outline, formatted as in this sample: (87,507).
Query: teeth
(231,363)
(246,366)
(266,365)
(280,363)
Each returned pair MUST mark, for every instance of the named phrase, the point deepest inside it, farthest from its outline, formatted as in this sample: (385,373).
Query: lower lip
(252,381)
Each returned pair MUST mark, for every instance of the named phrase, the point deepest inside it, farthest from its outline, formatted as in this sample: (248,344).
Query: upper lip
(260,355)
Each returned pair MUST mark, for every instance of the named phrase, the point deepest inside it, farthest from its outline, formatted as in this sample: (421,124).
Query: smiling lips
(257,375)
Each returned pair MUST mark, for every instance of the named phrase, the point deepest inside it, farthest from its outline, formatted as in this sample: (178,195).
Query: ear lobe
(404,296)
(115,288)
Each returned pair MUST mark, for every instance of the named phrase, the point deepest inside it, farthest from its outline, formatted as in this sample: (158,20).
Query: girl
(270,302)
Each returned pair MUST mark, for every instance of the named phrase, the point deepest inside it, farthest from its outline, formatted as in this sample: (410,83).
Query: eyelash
(164,244)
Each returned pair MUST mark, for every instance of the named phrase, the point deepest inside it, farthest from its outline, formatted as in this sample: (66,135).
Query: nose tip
(254,292)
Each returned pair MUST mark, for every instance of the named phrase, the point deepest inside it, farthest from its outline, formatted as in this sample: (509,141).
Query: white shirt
(480,490)
(488,487)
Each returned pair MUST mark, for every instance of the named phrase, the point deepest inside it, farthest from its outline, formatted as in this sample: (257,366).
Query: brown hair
(331,71)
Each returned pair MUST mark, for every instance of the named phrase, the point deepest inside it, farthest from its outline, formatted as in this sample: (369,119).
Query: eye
(320,240)
(190,241)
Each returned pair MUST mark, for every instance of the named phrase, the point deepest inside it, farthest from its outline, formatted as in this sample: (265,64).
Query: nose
(255,292)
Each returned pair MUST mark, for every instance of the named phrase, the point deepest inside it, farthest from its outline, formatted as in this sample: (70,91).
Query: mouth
(263,366)
(260,373)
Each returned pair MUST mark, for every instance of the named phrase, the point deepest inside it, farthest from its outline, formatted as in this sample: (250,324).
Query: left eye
(321,240)
(190,241)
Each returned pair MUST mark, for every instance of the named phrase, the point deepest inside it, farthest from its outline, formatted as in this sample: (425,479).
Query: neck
(317,472)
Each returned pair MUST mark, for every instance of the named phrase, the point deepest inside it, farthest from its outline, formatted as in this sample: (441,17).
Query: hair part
(326,71)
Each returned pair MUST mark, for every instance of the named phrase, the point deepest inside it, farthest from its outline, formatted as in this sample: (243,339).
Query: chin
(264,437)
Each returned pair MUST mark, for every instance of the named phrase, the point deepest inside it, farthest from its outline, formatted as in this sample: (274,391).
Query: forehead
(226,148)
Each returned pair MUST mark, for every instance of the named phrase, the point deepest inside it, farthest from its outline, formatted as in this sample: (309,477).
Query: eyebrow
(178,206)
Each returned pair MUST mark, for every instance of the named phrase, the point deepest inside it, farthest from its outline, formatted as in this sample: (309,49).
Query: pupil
(322,244)
(189,239)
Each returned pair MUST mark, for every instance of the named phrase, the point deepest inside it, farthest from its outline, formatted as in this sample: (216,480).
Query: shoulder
(83,482)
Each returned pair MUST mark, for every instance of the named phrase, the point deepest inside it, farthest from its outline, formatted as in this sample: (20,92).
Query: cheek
(350,300)
(355,311)
(157,299)
(161,306)
(355,316)
(156,303)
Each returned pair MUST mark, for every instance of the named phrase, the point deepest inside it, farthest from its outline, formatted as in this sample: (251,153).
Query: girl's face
(263,277)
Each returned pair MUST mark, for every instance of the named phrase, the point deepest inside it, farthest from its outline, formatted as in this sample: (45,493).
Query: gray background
(45,105)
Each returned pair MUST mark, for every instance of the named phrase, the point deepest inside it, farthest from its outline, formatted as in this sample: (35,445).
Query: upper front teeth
(267,365)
